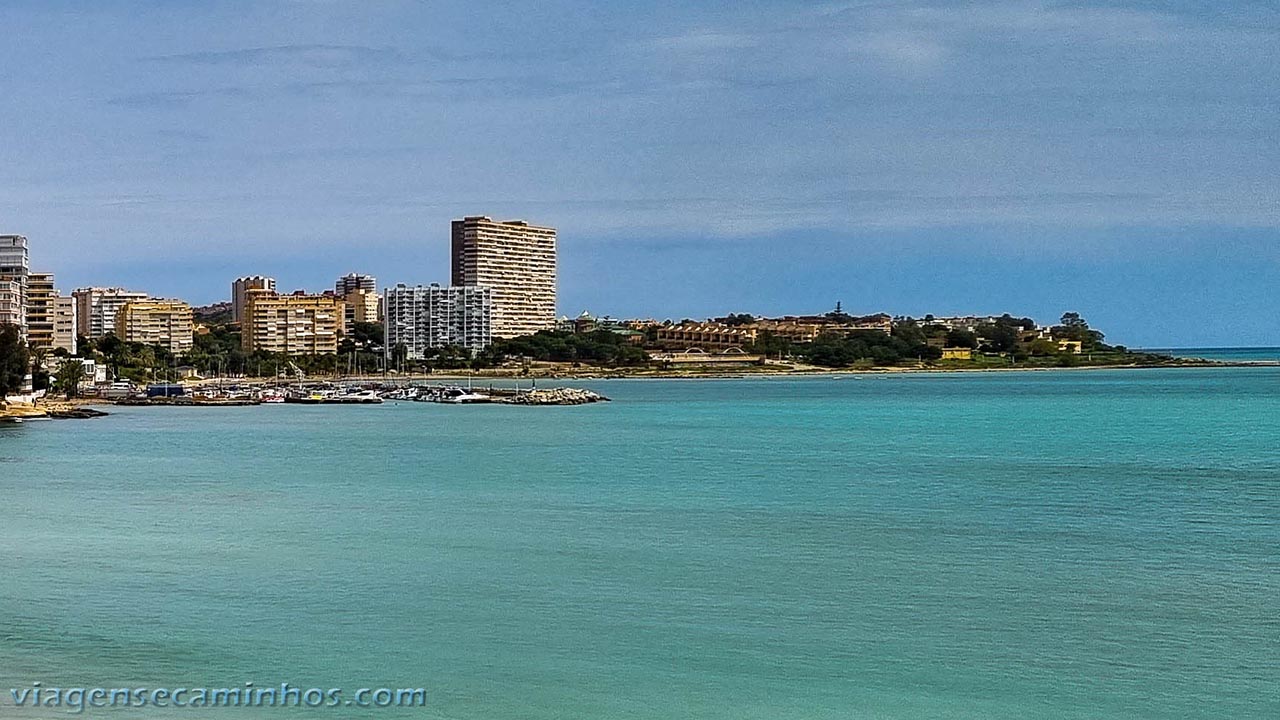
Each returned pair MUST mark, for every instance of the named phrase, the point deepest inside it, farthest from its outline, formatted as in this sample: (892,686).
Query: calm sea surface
(1244,354)
(1077,544)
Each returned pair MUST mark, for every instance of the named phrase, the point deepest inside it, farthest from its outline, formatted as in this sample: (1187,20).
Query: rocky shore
(556,396)
(55,411)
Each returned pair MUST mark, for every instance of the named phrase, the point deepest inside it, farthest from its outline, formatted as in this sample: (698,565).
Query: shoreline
(586,373)
(61,408)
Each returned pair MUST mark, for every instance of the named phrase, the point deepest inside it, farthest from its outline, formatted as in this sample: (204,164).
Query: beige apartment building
(360,306)
(167,323)
(518,261)
(239,290)
(51,318)
(297,324)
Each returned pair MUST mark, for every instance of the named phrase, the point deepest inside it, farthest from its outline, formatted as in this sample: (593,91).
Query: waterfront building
(352,282)
(518,261)
(705,336)
(96,308)
(421,318)
(167,323)
(64,324)
(94,374)
(11,312)
(51,318)
(14,269)
(239,290)
(297,324)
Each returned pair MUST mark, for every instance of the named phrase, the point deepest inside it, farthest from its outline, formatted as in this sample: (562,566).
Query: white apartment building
(422,318)
(96,309)
(14,268)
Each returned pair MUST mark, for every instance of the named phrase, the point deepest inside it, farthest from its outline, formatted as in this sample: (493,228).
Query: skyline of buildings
(504,285)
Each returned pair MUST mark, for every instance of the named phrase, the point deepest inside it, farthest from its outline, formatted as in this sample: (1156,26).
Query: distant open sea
(1244,354)
(1061,544)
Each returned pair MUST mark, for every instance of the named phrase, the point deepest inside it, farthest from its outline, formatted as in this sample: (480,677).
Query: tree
(39,377)
(114,350)
(399,354)
(15,361)
(69,376)
(1001,337)
(769,344)
(962,338)
(1042,347)
(1073,320)
(909,331)
(1074,327)
(367,336)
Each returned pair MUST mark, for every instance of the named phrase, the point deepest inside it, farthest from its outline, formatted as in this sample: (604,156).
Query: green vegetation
(67,380)
(865,346)
(770,345)
(1005,342)
(219,353)
(737,319)
(15,361)
(600,347)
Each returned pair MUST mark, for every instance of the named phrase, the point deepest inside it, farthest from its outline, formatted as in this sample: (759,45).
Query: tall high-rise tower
(518,261)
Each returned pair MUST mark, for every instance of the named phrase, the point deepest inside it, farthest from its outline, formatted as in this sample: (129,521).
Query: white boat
(458,396)
(369,397)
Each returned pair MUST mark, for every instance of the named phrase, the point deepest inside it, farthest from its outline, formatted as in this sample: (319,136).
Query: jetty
(555,396)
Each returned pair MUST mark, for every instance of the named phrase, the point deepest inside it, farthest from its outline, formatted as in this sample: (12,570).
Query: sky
(1117,159)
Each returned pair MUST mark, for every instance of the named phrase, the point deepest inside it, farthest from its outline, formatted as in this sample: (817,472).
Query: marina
(237,395)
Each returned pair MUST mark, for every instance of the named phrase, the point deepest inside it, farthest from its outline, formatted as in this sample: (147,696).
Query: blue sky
(1119,159)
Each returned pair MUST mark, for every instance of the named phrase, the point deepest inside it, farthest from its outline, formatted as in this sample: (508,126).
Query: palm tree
(70,375)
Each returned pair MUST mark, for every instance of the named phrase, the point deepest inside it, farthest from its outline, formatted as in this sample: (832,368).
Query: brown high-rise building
(51,318)
(518,261)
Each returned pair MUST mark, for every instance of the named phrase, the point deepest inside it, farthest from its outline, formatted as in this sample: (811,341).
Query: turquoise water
(1244,354)
(1079,544)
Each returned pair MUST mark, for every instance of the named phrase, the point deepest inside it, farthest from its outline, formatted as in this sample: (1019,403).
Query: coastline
(82,407)
(597,373)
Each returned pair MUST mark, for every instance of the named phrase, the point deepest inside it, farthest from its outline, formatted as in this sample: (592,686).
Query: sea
(1240,354)
(1066,544)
